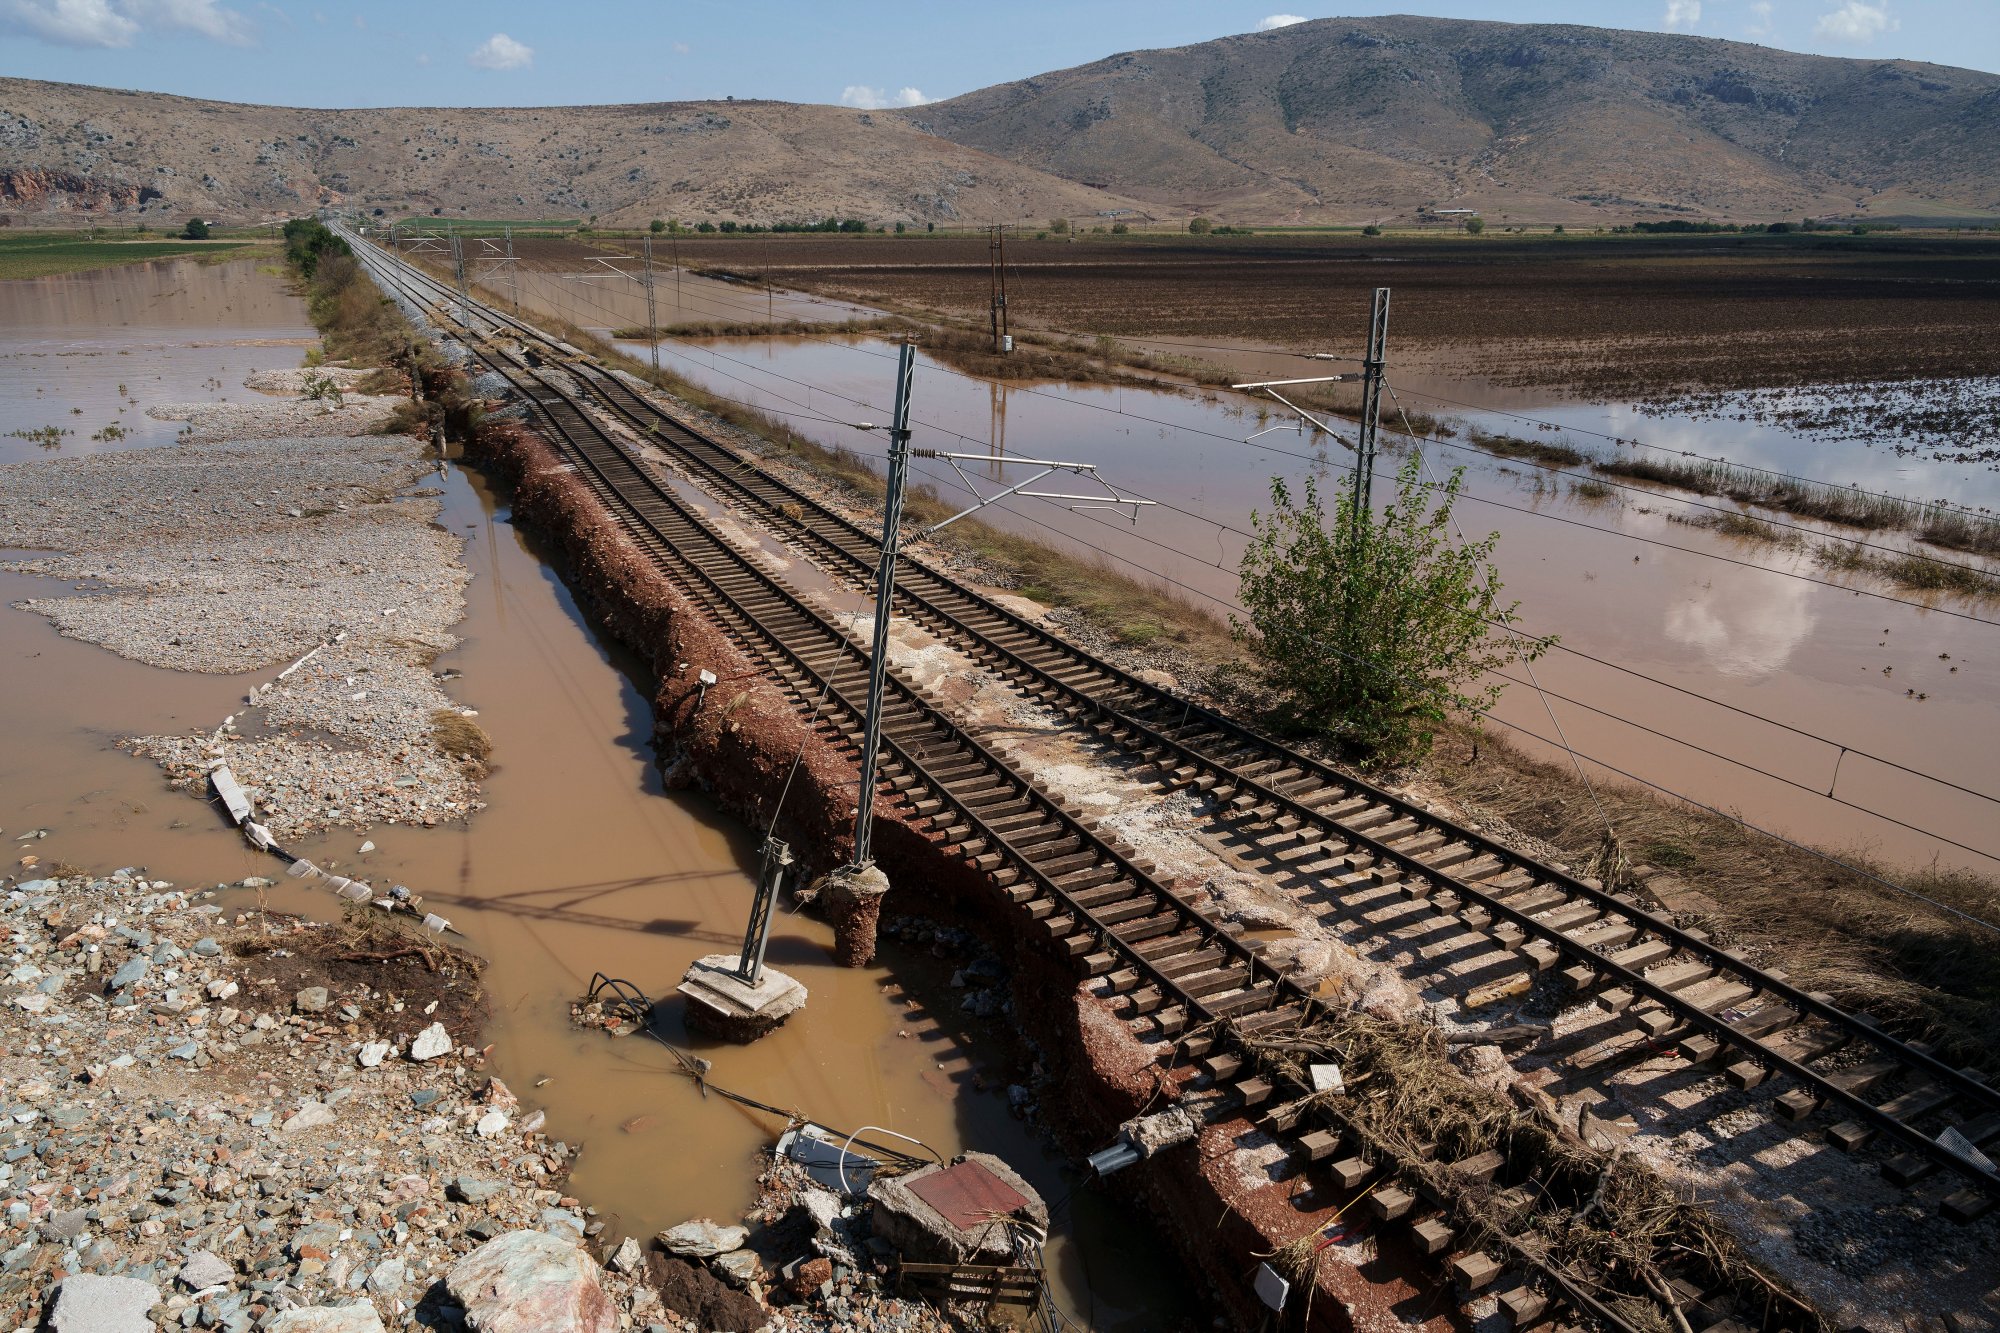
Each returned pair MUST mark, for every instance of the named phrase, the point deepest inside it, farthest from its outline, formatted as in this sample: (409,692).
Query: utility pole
(885,600)
(680,308)
(777,860)
(652,313)
(996,254)
(513,274)
(1371,405)
(854,891)
(458,266)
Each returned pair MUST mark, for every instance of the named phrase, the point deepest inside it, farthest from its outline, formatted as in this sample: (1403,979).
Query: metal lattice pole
(770,879)
(1371,406)
(885,597)
(652,313)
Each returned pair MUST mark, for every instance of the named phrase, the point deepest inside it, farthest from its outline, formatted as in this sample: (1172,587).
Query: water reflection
(1743,627)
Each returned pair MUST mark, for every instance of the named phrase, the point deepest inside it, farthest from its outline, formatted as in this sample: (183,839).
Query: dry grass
(459,737)
(1919,971)
(1532,451)
(1606,1221)
(1909,569)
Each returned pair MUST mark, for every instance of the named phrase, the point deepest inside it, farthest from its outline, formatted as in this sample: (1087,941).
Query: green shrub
(1375,630)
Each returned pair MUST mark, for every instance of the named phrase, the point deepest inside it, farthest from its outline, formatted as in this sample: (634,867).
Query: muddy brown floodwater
(581,862)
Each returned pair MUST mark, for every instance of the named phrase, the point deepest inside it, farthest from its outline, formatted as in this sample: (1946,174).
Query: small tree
(1060,226)
(1473,226)
(1371,230)
(1374,630)
(1200,226)
(196,230)
(657,225)
(1119,229)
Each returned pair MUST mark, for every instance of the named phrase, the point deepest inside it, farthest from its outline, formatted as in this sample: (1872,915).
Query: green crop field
(37,254)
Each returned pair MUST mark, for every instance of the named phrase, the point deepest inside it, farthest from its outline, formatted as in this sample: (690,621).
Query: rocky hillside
(1344,118)
(70,149)
(1336,120)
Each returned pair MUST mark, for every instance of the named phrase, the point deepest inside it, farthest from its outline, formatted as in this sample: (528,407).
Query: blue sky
(512,52)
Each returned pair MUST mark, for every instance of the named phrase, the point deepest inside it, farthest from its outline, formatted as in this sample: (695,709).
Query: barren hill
(1336,120)
(1343,119)
(69,148)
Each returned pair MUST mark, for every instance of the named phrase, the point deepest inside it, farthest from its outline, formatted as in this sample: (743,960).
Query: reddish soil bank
(1219,1197)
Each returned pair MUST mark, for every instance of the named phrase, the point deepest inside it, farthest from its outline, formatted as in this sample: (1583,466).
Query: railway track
(1181,979)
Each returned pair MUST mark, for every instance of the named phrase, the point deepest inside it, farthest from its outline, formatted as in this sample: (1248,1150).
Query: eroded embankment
(744,742)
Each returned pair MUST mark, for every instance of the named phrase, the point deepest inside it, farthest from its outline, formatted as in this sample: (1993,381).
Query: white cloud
(121,22)
(1276,21)
(1681,15)
(874,99)
(423,57)
(1760,12)
(501,52)
(70,22)
(680,48)
(1857,22)
(205,17)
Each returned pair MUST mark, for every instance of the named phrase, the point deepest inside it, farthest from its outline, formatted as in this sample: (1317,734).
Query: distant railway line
(1180,979)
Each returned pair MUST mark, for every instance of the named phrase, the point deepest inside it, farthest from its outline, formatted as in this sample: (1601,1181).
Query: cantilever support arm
(1111,499)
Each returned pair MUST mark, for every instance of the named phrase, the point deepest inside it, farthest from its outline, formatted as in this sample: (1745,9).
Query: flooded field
(580,863)
(84,354)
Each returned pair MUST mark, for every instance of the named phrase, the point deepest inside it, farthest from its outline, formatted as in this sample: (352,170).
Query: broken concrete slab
(956,1214)
(722,1004)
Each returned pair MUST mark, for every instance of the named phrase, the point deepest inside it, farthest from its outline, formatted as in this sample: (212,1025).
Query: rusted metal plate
(968,1195)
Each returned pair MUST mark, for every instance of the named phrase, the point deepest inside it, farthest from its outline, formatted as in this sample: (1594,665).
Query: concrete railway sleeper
(1097,908)
(1527,910)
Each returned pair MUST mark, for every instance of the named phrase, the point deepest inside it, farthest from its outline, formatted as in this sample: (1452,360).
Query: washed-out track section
(1502,916)
(1181,981)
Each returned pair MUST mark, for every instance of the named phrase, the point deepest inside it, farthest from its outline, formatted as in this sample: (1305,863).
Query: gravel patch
(351,415)
(185,1102)
(273,529)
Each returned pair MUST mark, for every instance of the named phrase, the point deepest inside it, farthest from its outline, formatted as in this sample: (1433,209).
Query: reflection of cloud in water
(1743,626)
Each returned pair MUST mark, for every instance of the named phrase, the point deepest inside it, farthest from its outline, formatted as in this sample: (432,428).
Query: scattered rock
(805,1278)
(90,1304)
(360,1317)
(702,1239)
(432,1042)
(371,1054)
(629,1257)
(312,1115)
(204,1269)
(475,1189)
(530,1282)
(739,1268)
(312,1000)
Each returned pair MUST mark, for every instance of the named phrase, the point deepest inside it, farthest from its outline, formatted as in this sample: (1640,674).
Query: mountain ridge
(1327,121)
